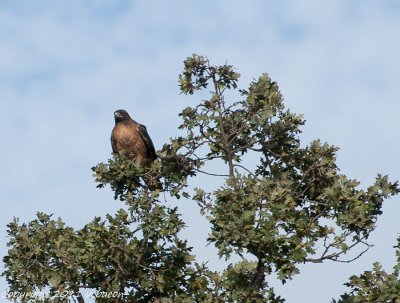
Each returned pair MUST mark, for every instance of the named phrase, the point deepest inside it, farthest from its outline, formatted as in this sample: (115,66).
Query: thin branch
(152,269)
(241,166)
(211,174)
(356,257)
(221,125)
(335,256)
(205,158)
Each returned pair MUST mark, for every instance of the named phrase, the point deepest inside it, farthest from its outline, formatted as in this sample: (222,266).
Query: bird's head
(121,115)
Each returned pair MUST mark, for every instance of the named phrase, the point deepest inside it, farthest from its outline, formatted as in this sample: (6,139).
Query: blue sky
(65,66)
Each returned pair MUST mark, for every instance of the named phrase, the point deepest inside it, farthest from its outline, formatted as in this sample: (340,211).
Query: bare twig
(211,174)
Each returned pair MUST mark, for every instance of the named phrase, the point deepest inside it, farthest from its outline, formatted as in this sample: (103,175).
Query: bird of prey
(130,139)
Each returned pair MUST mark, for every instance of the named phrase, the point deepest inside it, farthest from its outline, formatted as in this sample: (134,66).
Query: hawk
(130,139)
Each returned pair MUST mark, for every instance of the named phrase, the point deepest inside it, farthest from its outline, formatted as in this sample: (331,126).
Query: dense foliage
(278,204)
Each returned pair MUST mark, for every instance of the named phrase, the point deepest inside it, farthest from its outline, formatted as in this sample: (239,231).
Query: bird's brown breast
(126,141)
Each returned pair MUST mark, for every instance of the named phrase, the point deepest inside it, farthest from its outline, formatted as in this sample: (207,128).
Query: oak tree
(276,204)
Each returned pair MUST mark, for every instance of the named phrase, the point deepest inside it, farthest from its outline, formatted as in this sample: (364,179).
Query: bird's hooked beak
(121,115)
(117,114)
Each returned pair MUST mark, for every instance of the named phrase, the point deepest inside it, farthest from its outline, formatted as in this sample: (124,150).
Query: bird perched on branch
(130,139)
